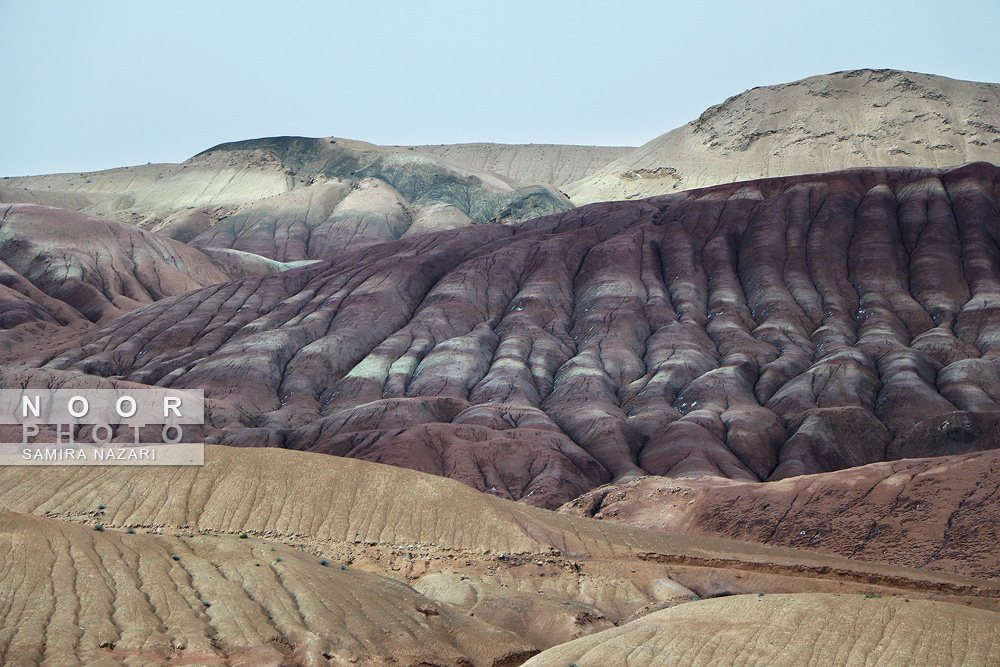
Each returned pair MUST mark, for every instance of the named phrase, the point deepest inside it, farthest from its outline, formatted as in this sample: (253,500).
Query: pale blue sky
(92,85)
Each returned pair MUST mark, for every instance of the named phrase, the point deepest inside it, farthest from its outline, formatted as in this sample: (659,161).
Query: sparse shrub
(130,531)
(176,557)
(99,528)
(324,562)
(100,507)
(278,560)
(243,536)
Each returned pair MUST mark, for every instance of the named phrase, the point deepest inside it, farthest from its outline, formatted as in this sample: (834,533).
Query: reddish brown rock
(753,331)
(57,266)
(940,514)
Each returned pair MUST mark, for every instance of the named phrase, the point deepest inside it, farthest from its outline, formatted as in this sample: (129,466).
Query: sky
(100,84)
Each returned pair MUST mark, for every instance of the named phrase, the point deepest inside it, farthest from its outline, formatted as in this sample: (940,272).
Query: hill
(557,164)
(753,331)
(858,118)
(937,513)
(76,594)
(297,198)
(791,630)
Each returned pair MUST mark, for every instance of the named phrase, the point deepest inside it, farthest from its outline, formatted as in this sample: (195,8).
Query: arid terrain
(860,118)
(251,532)
(741,408)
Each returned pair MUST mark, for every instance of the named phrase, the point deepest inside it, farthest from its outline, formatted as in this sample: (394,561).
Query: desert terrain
(728,398)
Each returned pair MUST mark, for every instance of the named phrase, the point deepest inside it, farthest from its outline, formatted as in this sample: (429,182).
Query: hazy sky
(92,85)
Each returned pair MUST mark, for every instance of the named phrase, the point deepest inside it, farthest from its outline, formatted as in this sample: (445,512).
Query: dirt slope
(859,118)
(61,267)
(76,595)
(402,521)
(531,163)
(793,630)
(939,513)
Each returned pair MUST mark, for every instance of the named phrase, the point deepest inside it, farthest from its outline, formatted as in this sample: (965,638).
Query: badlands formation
(767,410)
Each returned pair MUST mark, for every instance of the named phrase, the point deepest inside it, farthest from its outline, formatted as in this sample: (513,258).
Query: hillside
(938,513)
(79,595)
(293,198)
(859,118)
(297,198)
(757,379)
(789,631)
(537,578)
(531,163)
(755,331)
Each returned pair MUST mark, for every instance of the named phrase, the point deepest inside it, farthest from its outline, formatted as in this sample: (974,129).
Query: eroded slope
(61,267)
(941,513)
(793,630)
(294,198)
(410,525)
(76,595)
(753,331)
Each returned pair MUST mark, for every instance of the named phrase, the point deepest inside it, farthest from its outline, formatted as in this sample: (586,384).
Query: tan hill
(940,513)
(790,631)
(389,516)
(293,198)
(860,118)
(537,577)
(76,595)
(531,163)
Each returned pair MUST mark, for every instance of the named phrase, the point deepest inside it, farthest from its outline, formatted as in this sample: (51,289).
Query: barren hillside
(293,198)
(939,513)
(792,630)
(76,595)
(780,391)
(860,118)
(756,332)
(532,163)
